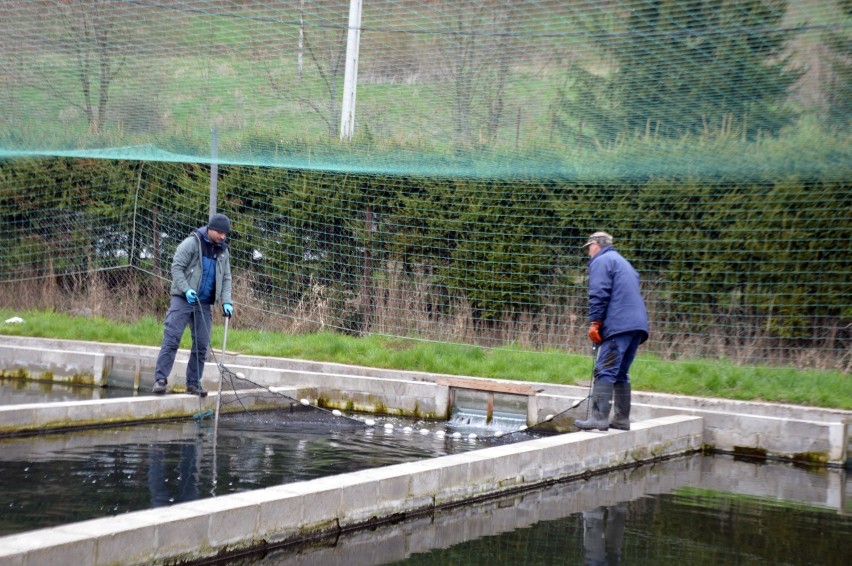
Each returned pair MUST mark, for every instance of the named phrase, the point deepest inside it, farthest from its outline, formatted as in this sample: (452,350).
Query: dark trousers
(181,314)
(603,534)
(161,469)
(615,355)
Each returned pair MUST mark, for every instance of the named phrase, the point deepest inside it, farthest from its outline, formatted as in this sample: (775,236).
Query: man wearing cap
(618,324)
(201,277)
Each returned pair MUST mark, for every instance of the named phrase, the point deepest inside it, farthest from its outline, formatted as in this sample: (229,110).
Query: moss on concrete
(87,379)
(811,457)
(19,373)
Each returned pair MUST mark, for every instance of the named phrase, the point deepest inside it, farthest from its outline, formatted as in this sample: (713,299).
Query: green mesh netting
(587,89)
(488,139)
(753,273)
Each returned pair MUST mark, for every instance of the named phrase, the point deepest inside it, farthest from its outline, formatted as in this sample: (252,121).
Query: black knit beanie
(220,223)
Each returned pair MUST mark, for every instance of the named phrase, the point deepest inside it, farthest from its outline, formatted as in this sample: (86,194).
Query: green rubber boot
(621,402)
(601,400)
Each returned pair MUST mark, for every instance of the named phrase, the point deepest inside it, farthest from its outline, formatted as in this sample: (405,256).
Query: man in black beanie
(201,277)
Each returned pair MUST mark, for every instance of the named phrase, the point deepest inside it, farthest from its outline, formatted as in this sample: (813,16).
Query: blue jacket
(614,296)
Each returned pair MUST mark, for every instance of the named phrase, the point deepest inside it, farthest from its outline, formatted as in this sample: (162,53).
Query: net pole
(219,387)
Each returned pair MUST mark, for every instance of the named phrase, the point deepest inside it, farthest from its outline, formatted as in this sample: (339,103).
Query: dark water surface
(691,510)
(59,478)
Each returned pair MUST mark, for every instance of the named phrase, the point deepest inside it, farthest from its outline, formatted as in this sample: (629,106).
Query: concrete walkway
(769,430)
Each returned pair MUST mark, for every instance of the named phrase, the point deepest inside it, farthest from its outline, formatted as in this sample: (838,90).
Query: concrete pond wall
(663,426)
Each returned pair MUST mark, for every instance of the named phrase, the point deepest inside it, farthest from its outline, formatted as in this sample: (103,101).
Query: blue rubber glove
(191,296)
(228,310)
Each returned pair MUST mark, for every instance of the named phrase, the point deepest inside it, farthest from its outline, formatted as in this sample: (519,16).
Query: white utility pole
(350,77)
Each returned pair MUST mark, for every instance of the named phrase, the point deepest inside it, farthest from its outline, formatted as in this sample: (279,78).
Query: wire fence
(753,273)
(429,170)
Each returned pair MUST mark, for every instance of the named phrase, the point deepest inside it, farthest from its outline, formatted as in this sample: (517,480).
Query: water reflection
(697,510)
(175,485)
(603,534)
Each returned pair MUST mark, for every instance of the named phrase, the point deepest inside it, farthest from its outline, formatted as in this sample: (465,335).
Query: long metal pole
(595,350)
(221,371)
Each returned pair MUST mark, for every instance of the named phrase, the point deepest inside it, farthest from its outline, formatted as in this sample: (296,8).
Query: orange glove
(595,332)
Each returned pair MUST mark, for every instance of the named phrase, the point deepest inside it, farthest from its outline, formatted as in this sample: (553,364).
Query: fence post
(214,170)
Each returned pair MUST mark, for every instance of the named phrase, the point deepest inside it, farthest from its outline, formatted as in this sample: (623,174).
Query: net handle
(219,388)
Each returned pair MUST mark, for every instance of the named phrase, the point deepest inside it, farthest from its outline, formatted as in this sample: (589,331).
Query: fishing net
(245,401)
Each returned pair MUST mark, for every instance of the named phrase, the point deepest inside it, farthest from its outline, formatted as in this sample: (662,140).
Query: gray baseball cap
(599,238)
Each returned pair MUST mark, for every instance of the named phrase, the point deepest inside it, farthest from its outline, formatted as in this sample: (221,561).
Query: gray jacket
(186,269)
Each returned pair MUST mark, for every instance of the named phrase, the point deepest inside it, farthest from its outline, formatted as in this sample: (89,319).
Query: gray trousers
(181,314)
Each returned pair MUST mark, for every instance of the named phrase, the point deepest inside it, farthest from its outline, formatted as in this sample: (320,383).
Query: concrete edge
(18,420)
(308,367)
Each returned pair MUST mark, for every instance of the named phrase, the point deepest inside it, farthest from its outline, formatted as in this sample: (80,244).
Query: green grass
(706,378)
